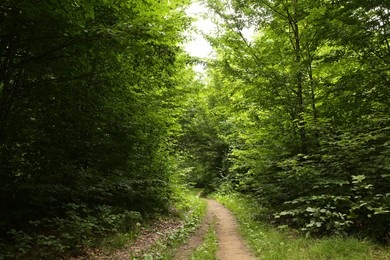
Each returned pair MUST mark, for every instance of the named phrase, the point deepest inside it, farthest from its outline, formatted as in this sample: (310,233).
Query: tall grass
(269,242)
(192,210)
(209,247)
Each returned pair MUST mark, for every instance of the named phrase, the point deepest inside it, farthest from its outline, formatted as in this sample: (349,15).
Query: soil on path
(231,245)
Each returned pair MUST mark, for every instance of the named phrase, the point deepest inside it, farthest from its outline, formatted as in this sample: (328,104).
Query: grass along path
(230,244)
(157,239)
(196,241)
(209,247)
(272,243)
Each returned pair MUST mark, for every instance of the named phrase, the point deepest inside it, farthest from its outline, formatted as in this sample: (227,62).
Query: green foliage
(304,111)
(203,151)
(87,118)
(269,242)
(192,210)
(344,188)
(80,226)
(209,247)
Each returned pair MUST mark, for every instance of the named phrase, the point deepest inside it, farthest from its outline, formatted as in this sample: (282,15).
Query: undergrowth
(269,242)
(80,227)
(209,247)
(192,210)
(104,230)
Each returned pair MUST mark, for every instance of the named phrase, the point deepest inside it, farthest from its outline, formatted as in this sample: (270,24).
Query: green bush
(343,190)
(81,226)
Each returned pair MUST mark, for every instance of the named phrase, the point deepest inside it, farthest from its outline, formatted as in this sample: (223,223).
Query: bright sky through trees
(199,46)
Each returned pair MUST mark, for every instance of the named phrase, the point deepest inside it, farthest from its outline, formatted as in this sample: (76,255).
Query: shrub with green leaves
(345,189)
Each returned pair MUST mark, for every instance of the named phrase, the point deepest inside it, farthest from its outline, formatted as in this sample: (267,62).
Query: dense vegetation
(88,107)
(270,242)
(298,115)
(101,116)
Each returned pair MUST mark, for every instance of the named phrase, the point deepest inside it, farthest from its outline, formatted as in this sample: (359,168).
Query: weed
(209,247)
(269,242)
(194,210)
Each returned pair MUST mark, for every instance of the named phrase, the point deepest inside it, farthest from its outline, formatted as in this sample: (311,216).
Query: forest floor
(153,241)
(231,244)
(146,239)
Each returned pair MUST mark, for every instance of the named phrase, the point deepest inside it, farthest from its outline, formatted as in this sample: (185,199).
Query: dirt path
(195,240)
(231,245)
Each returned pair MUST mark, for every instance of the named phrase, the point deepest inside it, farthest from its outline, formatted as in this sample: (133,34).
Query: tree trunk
(293,20)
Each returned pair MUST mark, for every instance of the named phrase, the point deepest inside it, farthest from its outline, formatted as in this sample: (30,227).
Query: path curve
(231,244)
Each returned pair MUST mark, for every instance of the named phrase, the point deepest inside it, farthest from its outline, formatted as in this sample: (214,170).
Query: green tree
(309,109)
(87,91)
(201,146)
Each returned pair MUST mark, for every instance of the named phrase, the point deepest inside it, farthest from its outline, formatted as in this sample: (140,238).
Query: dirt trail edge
(231,244)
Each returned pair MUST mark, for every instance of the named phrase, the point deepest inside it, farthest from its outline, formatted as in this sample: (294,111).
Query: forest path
(231,244)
